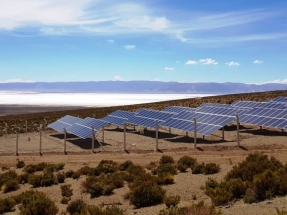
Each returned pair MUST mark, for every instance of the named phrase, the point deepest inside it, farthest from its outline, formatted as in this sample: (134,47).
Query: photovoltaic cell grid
(250,104)
(118,117)
(222,110)
(279,100)
(270,117)
(177,109)
(83,128)
(147,118)
(206,123)
(64,122)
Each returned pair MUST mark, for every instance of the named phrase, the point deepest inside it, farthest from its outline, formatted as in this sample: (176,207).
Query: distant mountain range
(141,87)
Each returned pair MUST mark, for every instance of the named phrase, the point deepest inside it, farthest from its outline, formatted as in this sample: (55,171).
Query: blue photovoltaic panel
(251,104)
(177,109)
(280,100)
(141,121)
(118,117)
(83,128)
(270,117)
(64,123)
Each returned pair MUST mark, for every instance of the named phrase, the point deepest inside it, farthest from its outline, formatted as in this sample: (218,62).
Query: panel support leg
(125,141)
(194,120)
(65,137)
(156,135)
(93,139)
(238,139)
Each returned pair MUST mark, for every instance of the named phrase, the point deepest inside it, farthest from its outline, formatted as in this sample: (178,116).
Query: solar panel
(63,122)
(280,100)
(118,117)
(270,117)
(177,109)
(83,128)
(251,104)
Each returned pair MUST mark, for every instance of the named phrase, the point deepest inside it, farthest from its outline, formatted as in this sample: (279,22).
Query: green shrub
(76,175)
(65,200)
(23,178)
(107,166)
(93,186)
(61,177)
(198,169)
(211,168)
(11,185)
(7,205)
(7,176)
(35,180)
(113,210)
(69,174)
(182,167)
(37,203)
(146,194)
(125,165)
(76,207)
(166,159)
(20,164)
(167,168)
(171,201)
(48,179)
(250,196)
(85,170)
(187,161)
(66,190)
(165,179)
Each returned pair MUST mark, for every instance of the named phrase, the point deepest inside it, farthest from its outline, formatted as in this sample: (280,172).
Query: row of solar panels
(209,117)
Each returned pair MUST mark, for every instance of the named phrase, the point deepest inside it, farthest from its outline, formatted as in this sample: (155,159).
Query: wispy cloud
(106,17)
(258,61)
(169,68)
(17,80)
(279,81)
(233,63)
(129,47)
(117,78)
(111,41)
(208,61)
(191,62)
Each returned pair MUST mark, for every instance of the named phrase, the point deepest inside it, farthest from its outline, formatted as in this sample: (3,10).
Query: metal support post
(194,120)
(237,121)
(125,143)
(65,137)
(156,135)
(103,133)
(93,139)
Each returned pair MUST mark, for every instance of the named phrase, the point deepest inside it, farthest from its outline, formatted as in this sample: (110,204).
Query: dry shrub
(198,168)
(7,205)
(35,202)
(108,166)
(167,168)
(187,161)
(20,164)
(11,185)
(146,194)
(165,179)
(166,159)
(211,168)
(7,176)
(171,201)
(125,165)
(151,165)
(66,190)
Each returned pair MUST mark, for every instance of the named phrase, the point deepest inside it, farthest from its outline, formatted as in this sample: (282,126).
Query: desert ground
(141,150)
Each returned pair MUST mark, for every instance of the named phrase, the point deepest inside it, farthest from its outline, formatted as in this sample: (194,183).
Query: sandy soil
(141,150)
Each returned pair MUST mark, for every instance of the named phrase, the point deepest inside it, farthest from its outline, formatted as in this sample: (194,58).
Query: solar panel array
(64,123)
(270,117)
(221,110)
(251,104)
(147,118)
(206,123)
(279,100)
(177,109)
(83,128)
(118,117)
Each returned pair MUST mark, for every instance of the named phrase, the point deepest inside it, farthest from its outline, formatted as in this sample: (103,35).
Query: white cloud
(117,78)
(258,62)
(208,61)
(106,17)
(169,68)
(232,63)
(17,80)
(279,81)
(129,47)
(191,62)
(111,41)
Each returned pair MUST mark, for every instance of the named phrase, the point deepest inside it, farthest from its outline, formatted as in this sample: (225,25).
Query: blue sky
(164,40)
